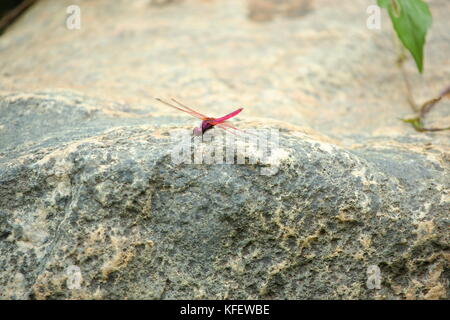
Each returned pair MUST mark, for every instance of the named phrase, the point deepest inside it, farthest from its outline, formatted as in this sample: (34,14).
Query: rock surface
(92,205)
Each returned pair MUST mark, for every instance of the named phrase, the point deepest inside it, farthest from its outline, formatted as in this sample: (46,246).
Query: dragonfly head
(198,131)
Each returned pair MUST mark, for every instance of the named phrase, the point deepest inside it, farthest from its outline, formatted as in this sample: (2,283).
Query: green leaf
(411,20)
(415,122)
(383,3)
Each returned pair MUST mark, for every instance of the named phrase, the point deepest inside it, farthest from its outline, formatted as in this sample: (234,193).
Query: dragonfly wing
(190,109)
(192,113)
(228,116)
(220,125)
(226,124)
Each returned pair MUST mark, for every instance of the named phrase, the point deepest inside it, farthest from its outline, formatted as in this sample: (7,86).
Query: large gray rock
(111,205)
(92,205)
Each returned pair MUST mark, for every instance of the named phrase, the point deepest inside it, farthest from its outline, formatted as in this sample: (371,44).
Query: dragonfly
(207,122)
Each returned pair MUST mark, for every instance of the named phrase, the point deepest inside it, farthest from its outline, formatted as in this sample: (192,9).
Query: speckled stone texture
(93,207)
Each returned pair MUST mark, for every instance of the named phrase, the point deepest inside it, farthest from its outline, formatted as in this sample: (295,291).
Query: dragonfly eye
(197,131)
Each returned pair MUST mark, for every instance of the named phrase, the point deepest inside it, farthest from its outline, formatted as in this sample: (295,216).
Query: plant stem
(417,121)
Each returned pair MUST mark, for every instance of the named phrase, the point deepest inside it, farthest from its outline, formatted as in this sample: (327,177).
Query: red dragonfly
(207,122)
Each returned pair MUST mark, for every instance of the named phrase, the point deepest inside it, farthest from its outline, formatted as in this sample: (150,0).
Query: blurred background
(306,63)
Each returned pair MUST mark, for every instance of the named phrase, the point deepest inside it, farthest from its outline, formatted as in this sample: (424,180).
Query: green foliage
(411,20)
(416,122)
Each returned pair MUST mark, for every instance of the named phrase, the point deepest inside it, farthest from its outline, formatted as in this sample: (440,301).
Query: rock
(92,205)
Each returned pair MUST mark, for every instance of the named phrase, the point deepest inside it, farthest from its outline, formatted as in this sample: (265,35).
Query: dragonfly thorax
(206,125)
